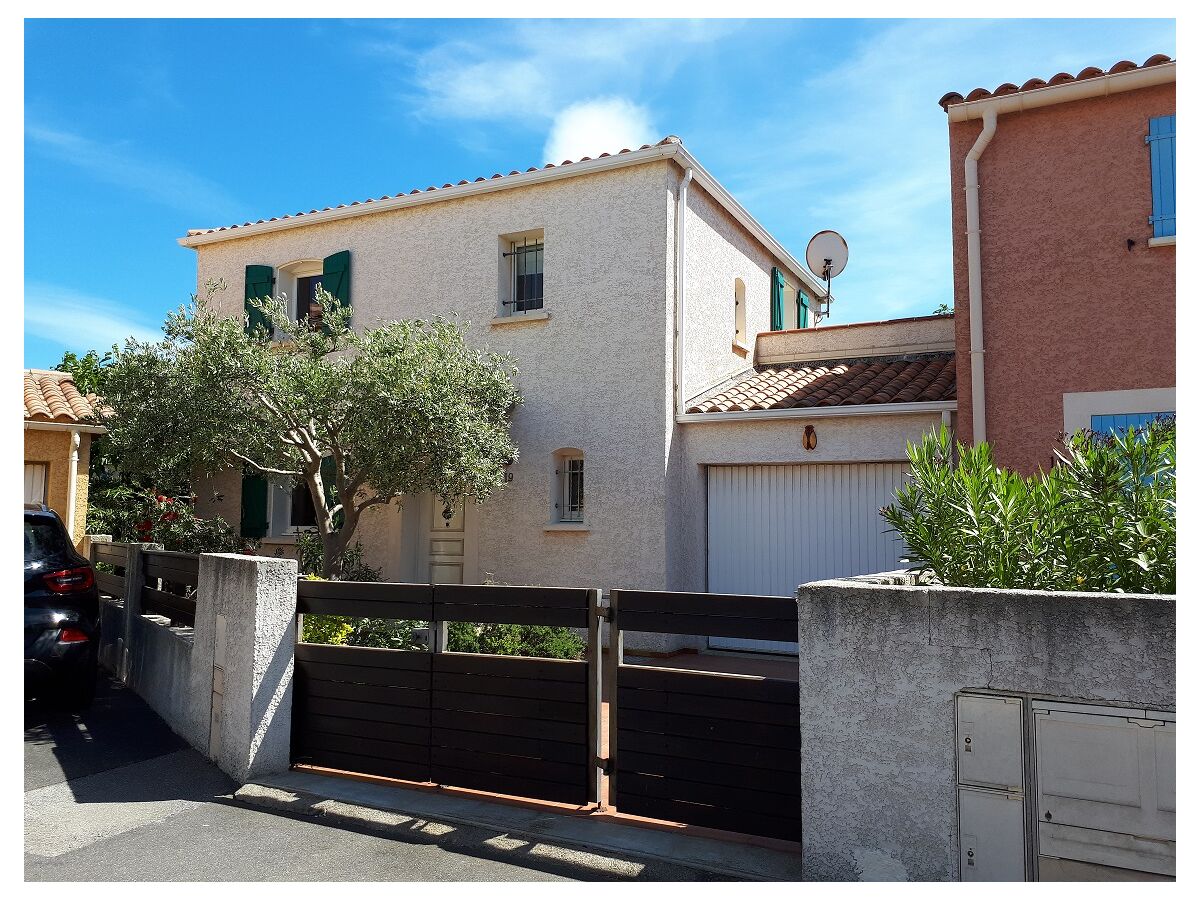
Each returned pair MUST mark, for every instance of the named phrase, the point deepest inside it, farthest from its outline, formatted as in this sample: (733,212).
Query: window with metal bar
(525,258)
(568,506)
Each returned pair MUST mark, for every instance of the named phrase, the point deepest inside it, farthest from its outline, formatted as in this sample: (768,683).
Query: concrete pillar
(241,674)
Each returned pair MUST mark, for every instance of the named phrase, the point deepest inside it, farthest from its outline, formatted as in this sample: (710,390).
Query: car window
(43,538)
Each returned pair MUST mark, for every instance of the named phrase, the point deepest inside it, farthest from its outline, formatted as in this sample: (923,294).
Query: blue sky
(136,131)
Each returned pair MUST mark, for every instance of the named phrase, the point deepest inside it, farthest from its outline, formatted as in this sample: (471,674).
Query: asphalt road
(113,795)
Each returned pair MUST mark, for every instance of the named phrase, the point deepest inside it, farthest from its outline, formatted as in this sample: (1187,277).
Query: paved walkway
(113,795)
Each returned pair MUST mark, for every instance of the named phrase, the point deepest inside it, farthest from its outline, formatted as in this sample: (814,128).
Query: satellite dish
(826,256)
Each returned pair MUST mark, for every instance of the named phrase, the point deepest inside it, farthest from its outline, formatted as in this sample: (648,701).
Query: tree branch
(265,469)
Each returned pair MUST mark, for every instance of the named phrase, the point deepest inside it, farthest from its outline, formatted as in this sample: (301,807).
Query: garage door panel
(771,528)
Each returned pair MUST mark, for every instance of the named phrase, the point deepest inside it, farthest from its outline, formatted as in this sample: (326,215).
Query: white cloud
(526,71)
(592,127)
(116,164)
(80,322)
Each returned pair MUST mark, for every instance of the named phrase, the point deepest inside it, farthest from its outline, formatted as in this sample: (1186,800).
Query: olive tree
(362,418)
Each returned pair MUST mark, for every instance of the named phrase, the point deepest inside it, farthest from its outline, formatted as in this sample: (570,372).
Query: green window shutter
(776,299)
(801,309)
(260,282)
(254,506)
(335,276)
(329,481)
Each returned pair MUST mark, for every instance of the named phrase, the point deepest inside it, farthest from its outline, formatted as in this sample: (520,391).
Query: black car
(62,613)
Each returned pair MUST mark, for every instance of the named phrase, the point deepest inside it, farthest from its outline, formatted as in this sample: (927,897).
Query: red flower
(160,498)
(170,517)
(145,525)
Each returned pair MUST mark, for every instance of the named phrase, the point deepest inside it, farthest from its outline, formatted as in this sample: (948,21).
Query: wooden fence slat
(362,693)
(737,798)
(731,775)
(722,605)
(369,657)
(368,712)
(542,729)
(111,584)
(511,595)
(303,720)
(517,766)
(364,746)
(712,752)
(738,710)
(706,727)
(512,785)
(511,666)
(709,817)
(510,687)
(733,687)
(161,603)
(709,626)
(511,745)
(510,615)
(367,765)
(517,707)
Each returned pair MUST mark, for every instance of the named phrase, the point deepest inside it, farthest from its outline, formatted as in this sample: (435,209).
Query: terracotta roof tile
(669,139)
(853,382)
(1061,78)
(53,397)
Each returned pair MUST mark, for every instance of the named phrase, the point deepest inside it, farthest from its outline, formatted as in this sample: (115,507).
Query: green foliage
(90,371)
(327,629)
(393,634)
(943,309)
(135,515)
(547,641)
(401,409)
(1102,519)
(309,553)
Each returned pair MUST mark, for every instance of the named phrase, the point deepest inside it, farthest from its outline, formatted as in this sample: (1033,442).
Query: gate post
(595,693)
(616,647)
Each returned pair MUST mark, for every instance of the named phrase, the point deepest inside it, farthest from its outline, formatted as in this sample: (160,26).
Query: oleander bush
(1101,519)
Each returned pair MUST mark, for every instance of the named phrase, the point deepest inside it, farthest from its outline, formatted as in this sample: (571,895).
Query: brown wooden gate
(717,750)
(512,725)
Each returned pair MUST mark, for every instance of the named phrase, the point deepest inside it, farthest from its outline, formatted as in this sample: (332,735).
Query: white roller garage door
(771,528)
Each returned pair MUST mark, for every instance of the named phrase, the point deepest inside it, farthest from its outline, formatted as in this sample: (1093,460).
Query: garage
(773,527)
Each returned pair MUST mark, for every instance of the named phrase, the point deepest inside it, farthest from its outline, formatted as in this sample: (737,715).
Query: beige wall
(875,438)
(54,449)
(594,376)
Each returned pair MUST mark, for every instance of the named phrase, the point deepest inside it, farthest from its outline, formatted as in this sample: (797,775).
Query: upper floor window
(739,311)
(299,281)
(568,486)
(1162,175)
(522,268)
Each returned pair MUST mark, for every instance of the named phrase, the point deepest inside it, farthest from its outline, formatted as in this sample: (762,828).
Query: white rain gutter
(988,109)
(822,412)
(680,287)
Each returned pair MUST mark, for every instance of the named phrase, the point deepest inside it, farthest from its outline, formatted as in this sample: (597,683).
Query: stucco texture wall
(879,667)
(779,441)
(1068,305)
(54,449)
(594,376)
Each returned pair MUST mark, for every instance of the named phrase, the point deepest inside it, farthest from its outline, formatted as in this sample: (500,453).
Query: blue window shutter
(801,309)
(1162,174)
(776,299)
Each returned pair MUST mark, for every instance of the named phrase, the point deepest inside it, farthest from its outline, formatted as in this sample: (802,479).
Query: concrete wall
(1068,305)
(53,447)
(225,685)
(879,666)
(921,334)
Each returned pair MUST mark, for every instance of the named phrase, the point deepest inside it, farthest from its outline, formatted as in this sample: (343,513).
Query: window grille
(526,259)
(570,490)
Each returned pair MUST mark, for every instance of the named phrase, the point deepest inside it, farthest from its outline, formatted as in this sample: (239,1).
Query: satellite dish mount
(826,256)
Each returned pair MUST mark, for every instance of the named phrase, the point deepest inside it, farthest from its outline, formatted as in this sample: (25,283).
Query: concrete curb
(406,813)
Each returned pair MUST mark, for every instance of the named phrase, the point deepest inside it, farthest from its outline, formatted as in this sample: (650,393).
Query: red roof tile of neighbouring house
(1061,78)
(670,139)
(53,397)
(856,382)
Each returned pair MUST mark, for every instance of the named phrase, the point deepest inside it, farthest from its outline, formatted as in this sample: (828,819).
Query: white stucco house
(670,366)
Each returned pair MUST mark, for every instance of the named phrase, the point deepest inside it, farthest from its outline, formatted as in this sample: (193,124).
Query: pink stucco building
(1064,256)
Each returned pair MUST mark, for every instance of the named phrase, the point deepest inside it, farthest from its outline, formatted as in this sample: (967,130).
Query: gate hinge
(604,608)
(604,764)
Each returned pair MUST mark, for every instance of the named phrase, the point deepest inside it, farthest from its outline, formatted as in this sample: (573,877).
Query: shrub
(133,515)
(1102,519)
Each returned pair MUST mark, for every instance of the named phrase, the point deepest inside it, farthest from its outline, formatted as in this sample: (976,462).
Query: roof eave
(1099,86)
(672,151)
(822,412)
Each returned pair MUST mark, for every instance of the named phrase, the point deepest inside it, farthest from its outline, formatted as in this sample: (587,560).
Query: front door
(446,542)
